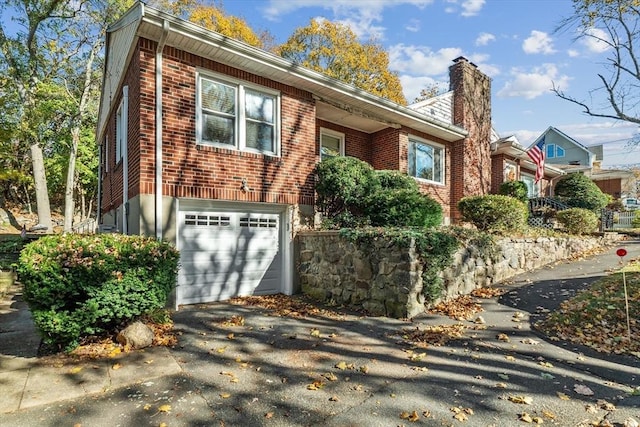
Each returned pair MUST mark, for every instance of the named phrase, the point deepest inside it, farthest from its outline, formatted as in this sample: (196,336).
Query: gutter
(158,125)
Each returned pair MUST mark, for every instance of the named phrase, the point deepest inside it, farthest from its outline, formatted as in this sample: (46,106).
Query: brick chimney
(470,157)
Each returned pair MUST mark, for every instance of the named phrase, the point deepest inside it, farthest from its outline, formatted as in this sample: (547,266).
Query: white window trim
(443,160)
(240,140)
(335,134)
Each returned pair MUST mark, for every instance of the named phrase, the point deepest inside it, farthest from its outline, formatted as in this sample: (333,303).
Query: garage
(228,253)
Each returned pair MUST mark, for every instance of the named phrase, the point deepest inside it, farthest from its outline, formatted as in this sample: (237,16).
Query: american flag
(536,153)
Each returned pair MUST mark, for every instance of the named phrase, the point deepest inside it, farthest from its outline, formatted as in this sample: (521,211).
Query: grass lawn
(597,316)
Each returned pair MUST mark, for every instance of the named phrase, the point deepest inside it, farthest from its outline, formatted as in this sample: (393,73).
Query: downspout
(158,126)
(125,160)
(99,204)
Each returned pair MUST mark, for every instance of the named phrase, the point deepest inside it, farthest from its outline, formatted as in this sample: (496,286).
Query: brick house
(211,144)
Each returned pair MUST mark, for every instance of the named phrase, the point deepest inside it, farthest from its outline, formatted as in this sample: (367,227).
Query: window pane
(551,151)
(218,97)
(218,129)
(260,136)
(259,106)
(329,146)
(437,165)
(424,162)
(559,151)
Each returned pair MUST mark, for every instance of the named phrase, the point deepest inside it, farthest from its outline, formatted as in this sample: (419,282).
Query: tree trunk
(69,205)
(40,181)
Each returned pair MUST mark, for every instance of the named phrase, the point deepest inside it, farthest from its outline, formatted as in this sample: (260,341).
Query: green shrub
(344,184)
(578,191)
(10,248)
(396,180)
(494,213)
(515,189)
(403,208)
(77,286)
(578,220)
(635,221)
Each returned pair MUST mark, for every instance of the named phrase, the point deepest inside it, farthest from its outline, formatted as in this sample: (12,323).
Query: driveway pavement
(245,366)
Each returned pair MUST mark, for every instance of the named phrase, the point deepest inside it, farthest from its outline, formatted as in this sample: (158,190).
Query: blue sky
(513,41)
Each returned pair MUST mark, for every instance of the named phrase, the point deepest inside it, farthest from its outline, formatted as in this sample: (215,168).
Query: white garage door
(227,254)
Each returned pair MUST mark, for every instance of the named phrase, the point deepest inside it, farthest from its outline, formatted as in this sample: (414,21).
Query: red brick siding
(196,171)
(357,144)
(610,186)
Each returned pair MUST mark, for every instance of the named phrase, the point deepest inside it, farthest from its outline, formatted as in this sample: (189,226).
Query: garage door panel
(229,254)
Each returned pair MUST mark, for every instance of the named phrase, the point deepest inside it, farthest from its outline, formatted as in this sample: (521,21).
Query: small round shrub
(396,180)
(516,189)
(78,286)
(577,220)
(635,221)
(578,191)
(403,208)
(494,213)
(344,184)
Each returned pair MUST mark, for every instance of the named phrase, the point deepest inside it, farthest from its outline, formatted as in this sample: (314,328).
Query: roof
(336,101)
(510,146)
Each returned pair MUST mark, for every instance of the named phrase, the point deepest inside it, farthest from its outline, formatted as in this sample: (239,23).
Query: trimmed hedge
(578,191)
(403,208)
(516,189)
(494,213)
(577,220)
(83,285)
(352,194)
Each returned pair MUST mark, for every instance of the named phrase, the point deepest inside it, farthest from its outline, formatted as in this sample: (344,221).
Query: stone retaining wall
(386,279)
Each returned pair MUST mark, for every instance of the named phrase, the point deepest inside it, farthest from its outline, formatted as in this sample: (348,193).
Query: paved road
(349,370)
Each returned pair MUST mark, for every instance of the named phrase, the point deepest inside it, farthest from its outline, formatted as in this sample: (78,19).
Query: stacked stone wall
(386,279)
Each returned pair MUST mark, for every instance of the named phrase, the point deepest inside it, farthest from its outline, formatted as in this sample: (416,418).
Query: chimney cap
(460,58)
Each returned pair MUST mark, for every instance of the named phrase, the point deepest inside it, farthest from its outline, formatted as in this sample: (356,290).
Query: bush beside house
(579,191)
(79,286)
(494,213)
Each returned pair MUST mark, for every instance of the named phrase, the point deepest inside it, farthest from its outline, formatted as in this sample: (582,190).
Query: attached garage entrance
(226,253)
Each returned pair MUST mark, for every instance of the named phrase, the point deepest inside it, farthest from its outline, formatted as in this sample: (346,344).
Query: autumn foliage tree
(334,49)
(214,18)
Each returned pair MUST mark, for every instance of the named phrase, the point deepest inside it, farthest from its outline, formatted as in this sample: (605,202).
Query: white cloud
(413,85)
(573,53)
(471,7)
(413,25)
(421,59)
(363,17)
(537,82)
(538,42)
(595,40)
(483,39)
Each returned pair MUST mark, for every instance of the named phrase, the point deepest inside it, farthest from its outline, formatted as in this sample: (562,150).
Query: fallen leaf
(225,395)
(503,376)
(501,385)
(630,422)
(461,416)
(164,408)
(510,358)
(413,417)
(315,332)
(268,415)
(341,365)
(545,364)
(591,409)
(546,376)
(147,407)
(231,336)
(606,405)
(116,366)
(75,370)
(334,398)
(548,414)
(503,337)
(563,396)
(530,341)
(523,400)
(330,376)
(524,417)
(364,369)
(582,389)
